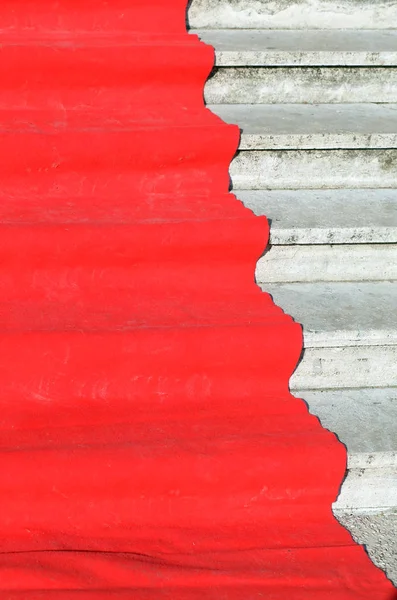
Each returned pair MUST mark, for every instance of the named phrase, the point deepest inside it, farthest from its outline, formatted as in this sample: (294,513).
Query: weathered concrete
(378,531)
(350,333)
(326,216)
(346,262)
(305,126)
(314,169)
(369,489)
(325,175)
(257,48)
(346,366)
(283,85)
(365,420)
(293,14)
(345,314)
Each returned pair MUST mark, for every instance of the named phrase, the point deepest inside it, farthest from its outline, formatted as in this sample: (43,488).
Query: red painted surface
(149,444)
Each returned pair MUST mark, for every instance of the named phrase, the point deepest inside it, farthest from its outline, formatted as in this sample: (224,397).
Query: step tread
(341,313)
(305,126)
(303,85)
(261,47)
(328,262)
(293,14)
(365,420)
(315,169)
(326,216)
(368,490)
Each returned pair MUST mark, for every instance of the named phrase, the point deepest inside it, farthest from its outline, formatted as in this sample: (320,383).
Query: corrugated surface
(149,445)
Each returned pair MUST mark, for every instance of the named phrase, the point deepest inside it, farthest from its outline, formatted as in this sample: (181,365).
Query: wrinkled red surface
(149,445)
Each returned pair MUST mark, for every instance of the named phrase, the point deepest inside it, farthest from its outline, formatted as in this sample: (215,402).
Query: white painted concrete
(314,169)
(310,85)
(258,48)
(326,216)
(293,14)
(346,262)
(306,126)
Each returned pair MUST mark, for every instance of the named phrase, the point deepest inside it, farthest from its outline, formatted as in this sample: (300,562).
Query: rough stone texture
(314,169)
(293,14)
(345,262)
(283,85)
(305,126)
(259,48)
(378,532)
(326,216)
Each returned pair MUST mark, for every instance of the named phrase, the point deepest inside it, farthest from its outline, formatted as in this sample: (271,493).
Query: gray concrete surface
(365,420)
(369,488)
(261,47)
(338,262)
(326,216)
(314,169)
(341,313)
(305,85)
(325,175)
(349,334)
(338,367)
(307,126)
(378,533)
(373,440)
(293,14)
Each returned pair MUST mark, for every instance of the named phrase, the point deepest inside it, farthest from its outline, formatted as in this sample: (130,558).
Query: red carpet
(150,448)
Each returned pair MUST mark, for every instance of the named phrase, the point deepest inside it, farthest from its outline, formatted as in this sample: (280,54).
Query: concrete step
(350,333)
(350,328)
(310,85)
(292,14)
(326,216)
(321,126)
(314,169)
(365,420)
(339,262)
(264,48)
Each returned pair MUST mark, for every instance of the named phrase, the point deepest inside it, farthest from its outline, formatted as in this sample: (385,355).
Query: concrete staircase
(317,105)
